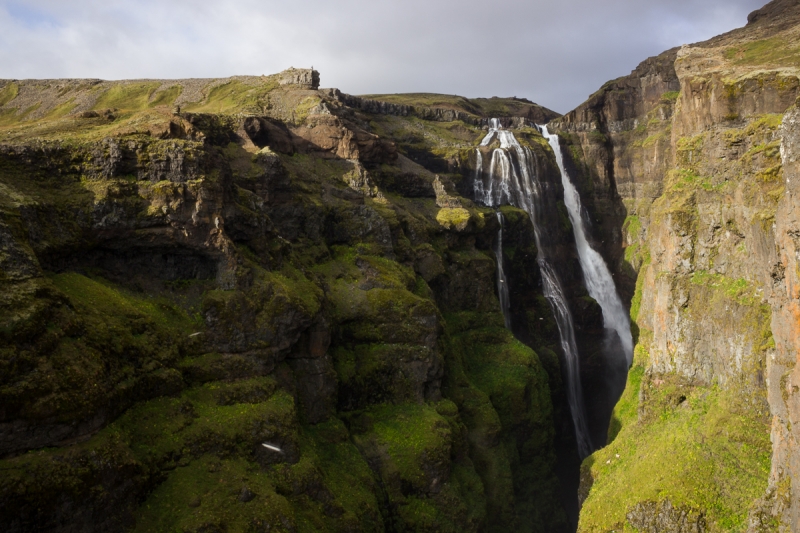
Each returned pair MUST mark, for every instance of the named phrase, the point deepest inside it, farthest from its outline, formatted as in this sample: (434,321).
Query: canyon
(252,304)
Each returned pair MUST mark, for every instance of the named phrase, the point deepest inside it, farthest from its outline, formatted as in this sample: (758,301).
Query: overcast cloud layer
(555,53)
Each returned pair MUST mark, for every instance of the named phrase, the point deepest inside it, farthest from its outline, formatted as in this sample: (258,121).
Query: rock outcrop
(304,78)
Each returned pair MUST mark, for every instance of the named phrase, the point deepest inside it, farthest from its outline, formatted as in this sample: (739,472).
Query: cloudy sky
(554,52)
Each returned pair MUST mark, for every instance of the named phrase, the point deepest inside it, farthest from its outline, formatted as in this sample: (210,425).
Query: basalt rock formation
(243,305)
(688,166)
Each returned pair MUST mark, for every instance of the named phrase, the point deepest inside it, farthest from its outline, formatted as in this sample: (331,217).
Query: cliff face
(240,305)
(251,304)
(688,162)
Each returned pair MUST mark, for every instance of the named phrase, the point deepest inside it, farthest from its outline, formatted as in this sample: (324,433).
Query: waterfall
(512,179)
(598,278)
(502,283)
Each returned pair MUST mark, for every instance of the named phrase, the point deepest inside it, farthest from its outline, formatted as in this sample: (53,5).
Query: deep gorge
(251,304)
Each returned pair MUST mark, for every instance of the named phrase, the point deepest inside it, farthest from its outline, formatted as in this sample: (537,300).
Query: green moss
(636,302)
(768,122)
(772,51)
(301,112)
(329,485)
(166,97)
(74,476)
(503,368)
(204,495)
(689,147)
(199,449)
(706,453)
(411,435)
(771,175)
(100,297)
(653,139)
(429,141)
(597,137)
(126,97)
(563,215)
(234,96)
(670,96)
(96,345)
(214,366)
(14,116)
(626,411)
(740,290)
(8,93)
(508,414)
(684,180)
(453,218)
(632,226)
(484,107)
(60,110)
(771,150)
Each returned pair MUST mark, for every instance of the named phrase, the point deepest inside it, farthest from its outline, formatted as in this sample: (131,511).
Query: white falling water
(598,278)
(502,283)
(512,179)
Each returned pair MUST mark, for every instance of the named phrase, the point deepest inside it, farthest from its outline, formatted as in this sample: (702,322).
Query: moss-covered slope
(240,305)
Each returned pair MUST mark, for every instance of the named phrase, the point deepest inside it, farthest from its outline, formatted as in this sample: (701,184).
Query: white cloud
(553,53)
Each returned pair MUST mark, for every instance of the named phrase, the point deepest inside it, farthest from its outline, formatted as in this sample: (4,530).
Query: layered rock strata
(236,305)
(687,164)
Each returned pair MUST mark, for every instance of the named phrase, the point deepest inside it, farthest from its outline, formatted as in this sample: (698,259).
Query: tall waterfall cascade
(599,281)
(511,179)
(502,282)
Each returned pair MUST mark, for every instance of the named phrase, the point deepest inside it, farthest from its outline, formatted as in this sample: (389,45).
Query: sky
(555,53)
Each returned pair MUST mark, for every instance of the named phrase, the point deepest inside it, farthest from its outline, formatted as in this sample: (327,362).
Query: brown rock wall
(690,146)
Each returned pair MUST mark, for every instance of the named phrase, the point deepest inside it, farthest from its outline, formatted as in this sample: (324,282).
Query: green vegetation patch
(61,110)
(427,100)
(771,150)
(506,370)
(429,142)
(204,496)
(453,218)
(302,110)
(632,226)
(505,402)
(636,302)
(8,93)
(773,51)
(414,439)
(126,96)
(685,180)
(411,448)
(13,116)
(166,97)
(703,450)
(626,412)
(655,138)
(97,347)
(740,290)
(234,96)
(100,298)
(228,487)
(689,151)
(670,96)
